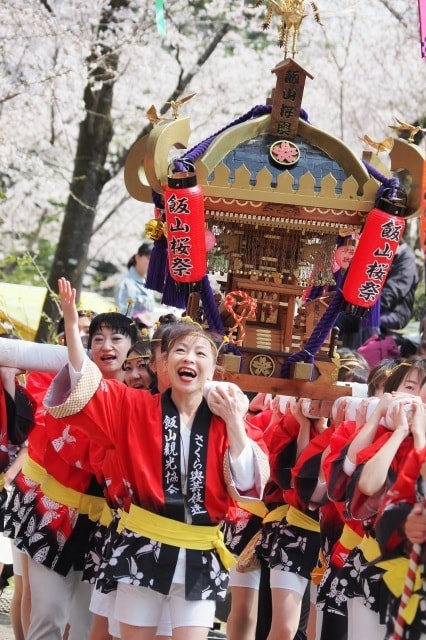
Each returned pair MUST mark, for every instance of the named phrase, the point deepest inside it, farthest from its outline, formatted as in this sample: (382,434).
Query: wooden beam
(283,386)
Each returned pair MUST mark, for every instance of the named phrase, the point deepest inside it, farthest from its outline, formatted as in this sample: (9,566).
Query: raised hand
(67,296)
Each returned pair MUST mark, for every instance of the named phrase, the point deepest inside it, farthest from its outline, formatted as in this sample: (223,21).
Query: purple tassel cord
(318,336)
(181,164)
(157,267)
(211,311)
(173,296)
(389,186)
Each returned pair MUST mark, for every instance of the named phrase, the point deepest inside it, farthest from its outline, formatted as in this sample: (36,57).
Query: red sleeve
(4,454)
(397,504)
(256,434)
(73,446)
(337,480)
(111,411)
(404,488)
(306,470)
(381,437)
(281,441)
(361,506)
(261,419)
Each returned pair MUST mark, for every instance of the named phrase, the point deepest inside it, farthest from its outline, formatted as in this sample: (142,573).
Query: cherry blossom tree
(78,78)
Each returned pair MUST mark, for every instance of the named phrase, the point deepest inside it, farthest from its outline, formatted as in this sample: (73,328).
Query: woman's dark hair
(162,333)
(82,313)
(142,349)
(117,322)
(400,371)
(353,374)
(353,367)
(380,373)
(144,250)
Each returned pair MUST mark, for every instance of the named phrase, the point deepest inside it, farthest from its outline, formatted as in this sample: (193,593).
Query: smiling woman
(136,367)
(180,477)
(110,337)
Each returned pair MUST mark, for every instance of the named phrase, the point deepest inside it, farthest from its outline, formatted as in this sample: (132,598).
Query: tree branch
(395,13)
(46,6)
(183,82)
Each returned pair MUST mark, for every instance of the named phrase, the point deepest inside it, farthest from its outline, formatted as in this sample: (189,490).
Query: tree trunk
(89,174)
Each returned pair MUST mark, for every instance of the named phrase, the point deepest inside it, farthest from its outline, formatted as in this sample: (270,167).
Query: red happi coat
(281,440)
(53,533)
(144,432)
(16,421)
(4,452)
(337,480)
(398,502)
(56,534)
(261,419)
(344,487)
(408,489)
(364,507)
(117,417)
(306,471)
(296,543)
(26,483)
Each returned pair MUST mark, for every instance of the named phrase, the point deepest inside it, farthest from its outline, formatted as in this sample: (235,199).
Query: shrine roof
(255,155)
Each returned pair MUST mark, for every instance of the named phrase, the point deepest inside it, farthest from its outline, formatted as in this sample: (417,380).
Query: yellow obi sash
(369,548)
(394,577)
(276,515)
(92,506)
(32,470)
(1,481)
(256,507)
(300,519)
(107,515)
(175,533)
(349,538)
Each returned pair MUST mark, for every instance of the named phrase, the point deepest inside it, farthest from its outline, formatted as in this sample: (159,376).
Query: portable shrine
(277,193)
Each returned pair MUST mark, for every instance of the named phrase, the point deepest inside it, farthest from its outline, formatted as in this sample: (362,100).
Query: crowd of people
(148,492)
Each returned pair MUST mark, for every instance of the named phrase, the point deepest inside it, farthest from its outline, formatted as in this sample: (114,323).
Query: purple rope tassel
(210,307)
(172,296)
(318,336)
(390,186)
(156,274)
(157,266)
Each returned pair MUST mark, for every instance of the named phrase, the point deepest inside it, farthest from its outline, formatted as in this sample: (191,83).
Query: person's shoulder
(123,283)
(138,397)
(404,250)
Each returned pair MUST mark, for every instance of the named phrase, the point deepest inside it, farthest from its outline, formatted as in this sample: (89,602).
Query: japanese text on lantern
(376,270)
(179,236)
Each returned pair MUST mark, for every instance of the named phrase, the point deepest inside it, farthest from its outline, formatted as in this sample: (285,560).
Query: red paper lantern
(186,234)
(373,257)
